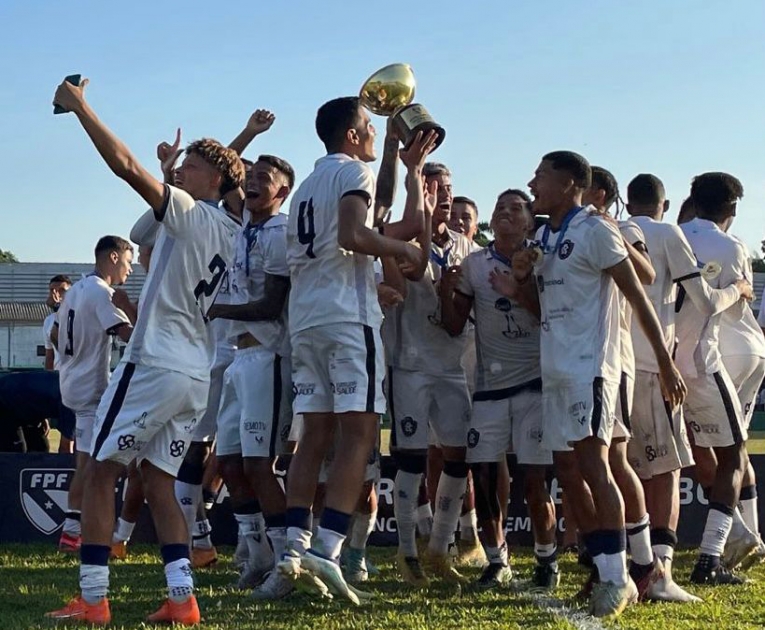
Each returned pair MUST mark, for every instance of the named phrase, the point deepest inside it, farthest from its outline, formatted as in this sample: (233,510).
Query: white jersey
(330,285)
(578,300)
(506,334)
(86,318)
(740,334)
(698,350)
(632,234)
(261,249)
(190,259)
(413,336)
(48,324)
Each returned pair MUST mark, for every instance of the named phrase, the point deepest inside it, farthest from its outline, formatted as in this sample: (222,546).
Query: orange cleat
(79,610)
(69,544)
(185,613)
(201,558)
(119,551)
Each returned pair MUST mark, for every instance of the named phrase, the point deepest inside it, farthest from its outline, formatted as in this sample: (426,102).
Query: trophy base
(413,118)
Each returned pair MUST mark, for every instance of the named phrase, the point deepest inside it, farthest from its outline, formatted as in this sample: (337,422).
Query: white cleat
(253,573)
(276,586)
(291,568)
(241,553)
(330,574)
(665,589)
(738,549)
(756,557)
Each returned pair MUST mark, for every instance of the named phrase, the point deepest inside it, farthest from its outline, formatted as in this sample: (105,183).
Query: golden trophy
(390,92)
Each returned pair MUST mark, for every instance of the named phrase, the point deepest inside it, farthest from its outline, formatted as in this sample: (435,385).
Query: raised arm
(260,122)
(387,176)
(115,153)
(641,261)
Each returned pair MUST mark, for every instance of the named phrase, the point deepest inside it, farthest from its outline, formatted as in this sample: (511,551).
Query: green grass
(34,579)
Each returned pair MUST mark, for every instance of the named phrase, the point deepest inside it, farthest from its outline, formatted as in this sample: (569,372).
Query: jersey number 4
(305,227)
(69,350)
(218,267)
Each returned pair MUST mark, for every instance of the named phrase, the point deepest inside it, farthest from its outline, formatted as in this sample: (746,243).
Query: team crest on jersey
(125,442)
(473,437)
(177,447)
(141,422)
(566,247)
(409,426)
(43,493)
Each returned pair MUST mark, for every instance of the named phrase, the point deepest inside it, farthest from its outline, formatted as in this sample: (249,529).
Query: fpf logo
(43,494)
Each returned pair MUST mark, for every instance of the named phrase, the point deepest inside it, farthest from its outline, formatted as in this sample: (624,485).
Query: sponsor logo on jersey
(344,389)
(140,423)
(125,442)
(43,493)
(303,389)
(252,427)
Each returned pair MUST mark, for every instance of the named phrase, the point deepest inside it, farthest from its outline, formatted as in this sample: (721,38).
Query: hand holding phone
(74,79)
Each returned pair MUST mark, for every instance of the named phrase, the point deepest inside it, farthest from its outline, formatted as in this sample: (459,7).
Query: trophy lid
(388,89)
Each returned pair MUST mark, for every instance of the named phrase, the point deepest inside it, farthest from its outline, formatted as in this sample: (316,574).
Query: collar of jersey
(706,224)
(338,157)
(271,222)
(487,252)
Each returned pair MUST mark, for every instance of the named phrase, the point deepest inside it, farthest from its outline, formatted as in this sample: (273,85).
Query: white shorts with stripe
(746,372)
(623,413)
(338,368)
(85,420)
(256,405)
(713,411)
(205,431)
(659,441)
(149,414)
(573,412)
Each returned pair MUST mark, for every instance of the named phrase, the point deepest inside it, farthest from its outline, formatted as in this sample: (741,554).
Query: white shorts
(622,417)
(148,413)
(713,412)
(373,463)
(338,368)
(747,373)
(659,441)
(420,400)
(574,412)
(205,431)
(508,421)
(85,419)
(256,407)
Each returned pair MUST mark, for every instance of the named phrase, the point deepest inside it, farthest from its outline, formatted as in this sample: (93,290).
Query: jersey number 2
(69,350)
(218,267)
(306,229)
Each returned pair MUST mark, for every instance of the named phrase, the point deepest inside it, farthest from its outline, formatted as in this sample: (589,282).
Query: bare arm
(641,261)
(392,275)
(387,177)
(711,301)
(268,308)
(455,310)
(260,122)
(49,358)
(124,332)
(115,153)
(54,335)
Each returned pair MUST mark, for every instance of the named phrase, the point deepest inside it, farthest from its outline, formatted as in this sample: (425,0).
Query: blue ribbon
(561,233)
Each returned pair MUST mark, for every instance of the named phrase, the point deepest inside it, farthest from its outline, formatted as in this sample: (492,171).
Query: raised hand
(168,155)
(260,121)
(523,263)
(431,197)
(121,300)
(70,97)
(387,296)
(449,279)
(422,145)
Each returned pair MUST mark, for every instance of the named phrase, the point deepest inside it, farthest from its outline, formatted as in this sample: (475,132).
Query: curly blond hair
(222,159)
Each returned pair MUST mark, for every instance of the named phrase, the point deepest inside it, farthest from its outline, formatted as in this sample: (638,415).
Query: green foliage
(7,257)
(758,264)
(484,234)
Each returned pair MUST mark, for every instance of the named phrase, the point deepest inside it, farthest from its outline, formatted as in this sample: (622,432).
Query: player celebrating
(337,358)
(148,412)
(87,320)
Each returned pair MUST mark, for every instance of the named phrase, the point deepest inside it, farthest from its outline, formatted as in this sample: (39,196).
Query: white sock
(405,492)
(361,528)
(188,496)
(94,582)
(278,538)
(749,514)
(665,553)
(425,520)
(545,551)
(451,491)
(639,536)
(716,532)
(328,542)
(72,523)
(299,539)
(201,538)
(180,581)
(253,528)
(612,567)
(469,526)
(123,531)
(497,555)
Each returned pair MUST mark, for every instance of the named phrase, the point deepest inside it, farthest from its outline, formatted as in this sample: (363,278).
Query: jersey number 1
(69,350)
(306,229)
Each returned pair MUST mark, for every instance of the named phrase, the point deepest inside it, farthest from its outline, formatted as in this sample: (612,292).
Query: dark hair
(335,118)
(224,160)
(574,164)
(107,244)
(646,190)
(713,193)
(687,211)
(280,165)
(604,180)
(519,193)
(61,279)
(431,169)
(467,201)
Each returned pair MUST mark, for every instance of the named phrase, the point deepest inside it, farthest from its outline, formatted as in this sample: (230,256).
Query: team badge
(124,442)
(177,447)
(409,426)
(566,247)
(711,270)
(473,437)
(43,493)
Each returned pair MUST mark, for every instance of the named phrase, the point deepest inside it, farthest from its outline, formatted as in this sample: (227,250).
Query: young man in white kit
(713,409)
(86,322)
(580,262)
(507,403)
(255,408)
(334,319)
(159,390)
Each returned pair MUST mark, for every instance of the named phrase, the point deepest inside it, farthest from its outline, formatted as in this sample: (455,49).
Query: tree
(7,257)
(484,235)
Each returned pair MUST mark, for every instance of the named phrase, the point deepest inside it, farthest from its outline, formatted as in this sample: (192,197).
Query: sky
(671,88)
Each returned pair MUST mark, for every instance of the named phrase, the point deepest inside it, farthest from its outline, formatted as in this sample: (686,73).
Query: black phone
(74,79)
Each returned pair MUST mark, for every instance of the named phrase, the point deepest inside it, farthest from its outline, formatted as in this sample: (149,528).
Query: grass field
(34,579)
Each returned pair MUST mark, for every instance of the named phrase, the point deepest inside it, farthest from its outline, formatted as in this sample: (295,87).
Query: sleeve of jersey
(736,268)
(357,178)
(46,334)
(109,316)
(680,258)
(465,284)
(607,245)
(180,212)
(632,233)
(144,231)
(761,314)
(275,259)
